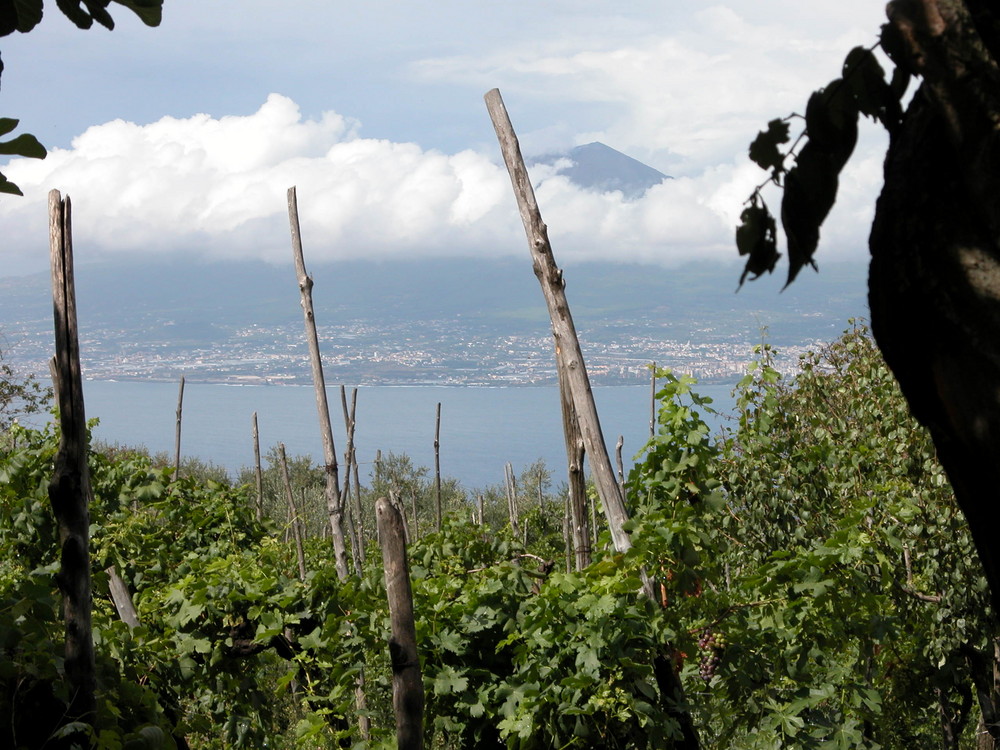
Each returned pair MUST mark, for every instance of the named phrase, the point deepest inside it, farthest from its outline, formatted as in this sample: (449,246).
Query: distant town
(426,352)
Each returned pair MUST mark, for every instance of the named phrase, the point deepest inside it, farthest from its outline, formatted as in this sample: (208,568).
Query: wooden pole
(554,290)
(258,474)
(563,330)
(69,489)
(293,512)
(334,501)
(511,485)
(652,401)
(407,684)
(177,438)
(352,469)
(575,454)
(437,468)
(620,463)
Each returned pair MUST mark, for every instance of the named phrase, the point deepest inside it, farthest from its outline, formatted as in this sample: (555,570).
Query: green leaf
(24,145)
(448,680)
(6,186)
(7,124)
(150,12)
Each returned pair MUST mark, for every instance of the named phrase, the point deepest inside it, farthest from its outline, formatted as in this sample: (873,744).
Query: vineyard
(811,570)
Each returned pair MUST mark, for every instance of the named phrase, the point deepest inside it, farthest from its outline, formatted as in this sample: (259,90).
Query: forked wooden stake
(69,490)
(334,500)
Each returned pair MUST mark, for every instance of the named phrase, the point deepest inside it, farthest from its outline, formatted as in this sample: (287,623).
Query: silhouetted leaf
(764,150)
(810,192)
(7,124)
(150,12)
(866,81)
(756,237)
(72,10)
(832,120)
(19,15)
(8,187)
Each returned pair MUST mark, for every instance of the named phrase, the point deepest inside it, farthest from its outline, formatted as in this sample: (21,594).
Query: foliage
(19,394)
(24,15)
(839,569)
(815,589)
(810,185)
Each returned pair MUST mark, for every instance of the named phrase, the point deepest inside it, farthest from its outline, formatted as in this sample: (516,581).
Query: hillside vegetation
(818,589)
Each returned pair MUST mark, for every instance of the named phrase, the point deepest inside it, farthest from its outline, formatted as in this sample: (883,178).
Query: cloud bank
(217,187)
(687,102)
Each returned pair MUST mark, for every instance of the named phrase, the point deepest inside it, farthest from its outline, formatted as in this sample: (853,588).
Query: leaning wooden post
(407,684)
(177,438)
(69,489)
(334,501)
(563,330)
(258,474)
(575,454)
(553,288)
(437,467)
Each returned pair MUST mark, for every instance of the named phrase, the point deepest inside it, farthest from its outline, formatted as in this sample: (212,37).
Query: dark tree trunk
(934,285)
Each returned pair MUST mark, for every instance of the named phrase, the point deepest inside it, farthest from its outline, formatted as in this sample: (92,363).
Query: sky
(183,139)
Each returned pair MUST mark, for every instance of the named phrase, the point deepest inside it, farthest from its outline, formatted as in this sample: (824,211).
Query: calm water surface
(481,428)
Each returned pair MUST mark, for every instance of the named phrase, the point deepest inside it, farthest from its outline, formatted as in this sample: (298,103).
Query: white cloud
(683,87)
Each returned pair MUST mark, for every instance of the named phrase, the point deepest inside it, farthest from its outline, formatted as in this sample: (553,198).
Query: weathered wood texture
(577,482)
(578,383)
(334,499)
(437,469)
(69,489)
(177,435)
(553,289)
(407,684)
(258,474)
(293,512)
(351,459)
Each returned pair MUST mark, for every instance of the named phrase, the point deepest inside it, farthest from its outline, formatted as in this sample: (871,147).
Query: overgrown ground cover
(817,587)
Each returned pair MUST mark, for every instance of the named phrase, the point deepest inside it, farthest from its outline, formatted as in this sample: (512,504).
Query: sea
(482,428)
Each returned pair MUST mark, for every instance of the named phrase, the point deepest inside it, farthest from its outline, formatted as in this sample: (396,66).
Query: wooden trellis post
(69,489)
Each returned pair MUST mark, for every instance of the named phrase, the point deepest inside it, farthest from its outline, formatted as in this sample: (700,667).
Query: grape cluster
(711,644)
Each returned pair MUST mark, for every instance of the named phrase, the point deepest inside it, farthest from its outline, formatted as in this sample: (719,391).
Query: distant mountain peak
(596,166)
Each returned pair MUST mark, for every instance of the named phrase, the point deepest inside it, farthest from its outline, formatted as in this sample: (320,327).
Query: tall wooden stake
(437,467)
(652,401)
(575,454)
(334,500)
(553,289)
(563,330)
(620,463)
(293,512)
(177,438)
(407,685)
(351,455)
(69,489)
(258,474)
